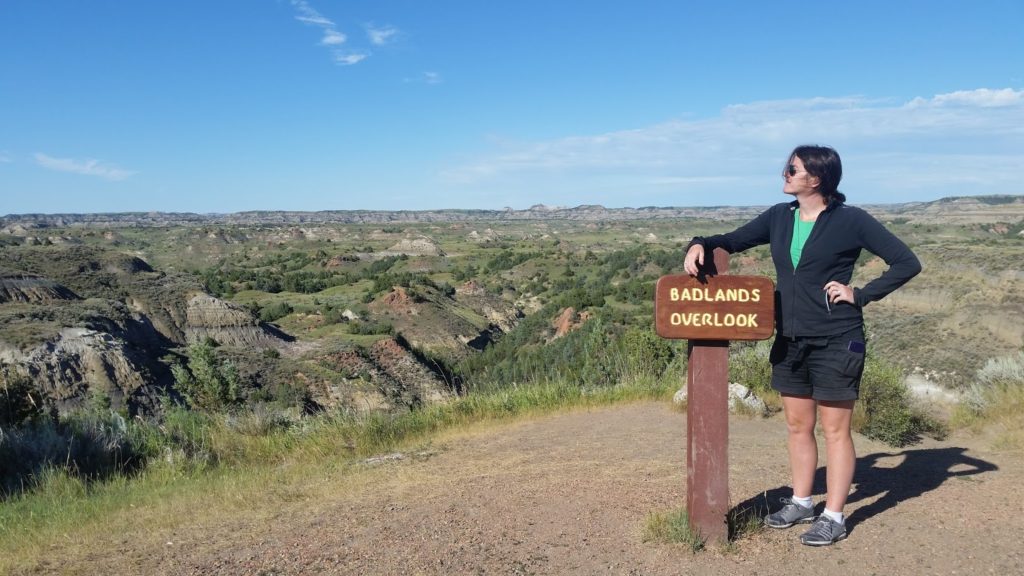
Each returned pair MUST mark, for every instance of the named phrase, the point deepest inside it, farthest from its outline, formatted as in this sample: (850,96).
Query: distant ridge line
(587,212)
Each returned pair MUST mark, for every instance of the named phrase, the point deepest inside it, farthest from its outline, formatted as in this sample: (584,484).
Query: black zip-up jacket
(830,253)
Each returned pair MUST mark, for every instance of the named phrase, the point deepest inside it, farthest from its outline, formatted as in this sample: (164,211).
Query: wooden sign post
(710,310)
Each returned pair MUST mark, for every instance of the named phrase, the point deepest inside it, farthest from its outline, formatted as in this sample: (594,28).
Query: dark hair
(823,163)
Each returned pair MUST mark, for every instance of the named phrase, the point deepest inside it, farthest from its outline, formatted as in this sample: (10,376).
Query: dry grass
(994,404)
(1001,423)
(275,470)
(155,511)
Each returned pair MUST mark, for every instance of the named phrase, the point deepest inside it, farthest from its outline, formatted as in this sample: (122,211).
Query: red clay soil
(568,320)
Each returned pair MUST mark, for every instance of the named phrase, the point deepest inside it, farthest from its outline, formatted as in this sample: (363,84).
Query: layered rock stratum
(29,288)
(85,322)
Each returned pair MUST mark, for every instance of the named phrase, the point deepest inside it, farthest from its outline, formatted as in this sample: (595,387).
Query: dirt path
(569,494)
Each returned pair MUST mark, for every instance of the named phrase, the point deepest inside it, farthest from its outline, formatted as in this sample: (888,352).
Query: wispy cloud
(426,78)
(349,57)
(381,35)
(969,141)
(5,158)
(309,15)
(85,167)
(332,38)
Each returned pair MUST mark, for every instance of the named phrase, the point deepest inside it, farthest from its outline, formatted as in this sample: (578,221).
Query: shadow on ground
(881,474)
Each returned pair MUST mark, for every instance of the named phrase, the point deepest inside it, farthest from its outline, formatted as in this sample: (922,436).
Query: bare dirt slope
(569,494)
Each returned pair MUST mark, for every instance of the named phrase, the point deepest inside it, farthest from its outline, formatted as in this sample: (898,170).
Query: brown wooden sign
(718,308)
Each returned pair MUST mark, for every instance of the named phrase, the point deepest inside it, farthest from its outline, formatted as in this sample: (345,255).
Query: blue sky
(224,106)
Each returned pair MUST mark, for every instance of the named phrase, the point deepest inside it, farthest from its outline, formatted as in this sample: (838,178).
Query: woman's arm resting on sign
(694,258)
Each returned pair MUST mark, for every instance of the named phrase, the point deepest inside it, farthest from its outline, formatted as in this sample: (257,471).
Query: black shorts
(824,368)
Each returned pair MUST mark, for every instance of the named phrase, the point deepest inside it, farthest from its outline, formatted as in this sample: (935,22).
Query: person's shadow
(920,471)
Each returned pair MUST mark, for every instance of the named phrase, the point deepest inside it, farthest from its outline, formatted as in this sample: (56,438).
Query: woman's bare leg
(840,455)
(803,448)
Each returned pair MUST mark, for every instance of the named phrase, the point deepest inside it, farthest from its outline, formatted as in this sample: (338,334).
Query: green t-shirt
(801,231)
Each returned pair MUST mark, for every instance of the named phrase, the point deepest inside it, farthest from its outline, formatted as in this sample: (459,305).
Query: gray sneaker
(823,532)
(791,513)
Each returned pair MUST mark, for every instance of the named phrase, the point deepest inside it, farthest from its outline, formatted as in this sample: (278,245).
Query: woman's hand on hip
(694,258)
(839,292)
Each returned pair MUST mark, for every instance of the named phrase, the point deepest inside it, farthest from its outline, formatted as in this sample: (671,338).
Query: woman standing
(818,355)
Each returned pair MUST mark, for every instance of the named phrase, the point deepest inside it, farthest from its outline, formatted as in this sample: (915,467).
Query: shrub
(90,444)
(333,315)
(645,352)
(261,420)
(507,260)
(275,311)
(598,353)
(208,383)
(19,400)
(25,451)
(635,291)
(370,328)
(885,411)
(100,443)
(1007,371)
(282,395)
(749,366)
(997,397)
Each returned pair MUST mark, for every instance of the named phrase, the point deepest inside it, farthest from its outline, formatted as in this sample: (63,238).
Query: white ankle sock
(805,502)
(836,517)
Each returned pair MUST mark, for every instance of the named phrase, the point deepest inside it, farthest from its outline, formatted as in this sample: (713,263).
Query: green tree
(646,352)
(209,383)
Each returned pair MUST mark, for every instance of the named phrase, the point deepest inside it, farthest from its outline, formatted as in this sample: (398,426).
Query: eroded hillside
(86,321)
(384,311)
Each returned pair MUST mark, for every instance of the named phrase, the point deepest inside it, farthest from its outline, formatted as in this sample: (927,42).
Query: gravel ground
(570,493)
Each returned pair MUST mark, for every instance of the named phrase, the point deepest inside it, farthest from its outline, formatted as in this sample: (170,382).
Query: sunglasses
(790,170)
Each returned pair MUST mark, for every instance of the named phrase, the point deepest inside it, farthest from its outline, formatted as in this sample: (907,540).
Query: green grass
(672,528)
